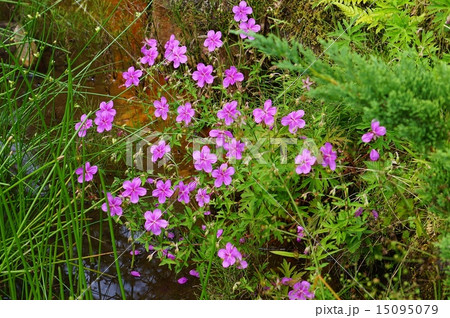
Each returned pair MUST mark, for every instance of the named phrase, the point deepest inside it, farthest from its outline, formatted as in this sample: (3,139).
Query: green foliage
(410,96)
(403,23)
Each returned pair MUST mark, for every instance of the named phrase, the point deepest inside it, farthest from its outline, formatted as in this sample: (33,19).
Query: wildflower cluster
(215,173)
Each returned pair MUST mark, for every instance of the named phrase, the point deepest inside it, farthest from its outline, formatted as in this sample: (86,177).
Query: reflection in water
(155,282)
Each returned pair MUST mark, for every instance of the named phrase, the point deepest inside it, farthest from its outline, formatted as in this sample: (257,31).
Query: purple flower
(150,55)
(88,172)
(234,148)
(131,77)
(203,74)
(232,76)
(375,214)
(153,221)
(194,273)
(82,128)
(213,40)
(294,121)
(307,83)
(266,114)
(162,190)
(285,280)
(150,42)
(377,131)
(242,240)
(114,205)
(374,155)
(220,136)
(107,108)
(242,264)
(301,291)
(177,56)
(219,233)
(135,252)
(103,121)
(135,273)
(182,280)
(300,233)
(184,191)
(229,255)
(185,113)
(359,211)
(202,197)
(241,11)
(204,159)
(207,213)
(158,151)
(161,108)
(329,156)
(229,112)
(170,45)
(304,162)
(222,175)
(133,190)
(249,26)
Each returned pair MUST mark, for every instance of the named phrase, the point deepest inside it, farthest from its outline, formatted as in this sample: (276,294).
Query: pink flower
(133,190)
(107,108)
(220,136)
(301,291)
(202,197)
(150,55)
(294,121)
(135,273)
(222,175)
(177,56)
(235,149)
(219,233)
(150,42)
(185,113)
(204,159)
(104,121)
(131,77)
(153,221)
(232,76)
(135,252)
(229,112)
(213,40)
(285,280)
(329,156)
(374,155)
(304,162)
(307,83)
(229,255)
(162,190)
(194,273)
(170,45)
(161,108)
(203,74)
(158,151)
(114,205)
(266,114)
(88,172)
(182,280)
(241,11)
(300,233)
(377,131)
(184,191)
(247,27)
(83,127)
